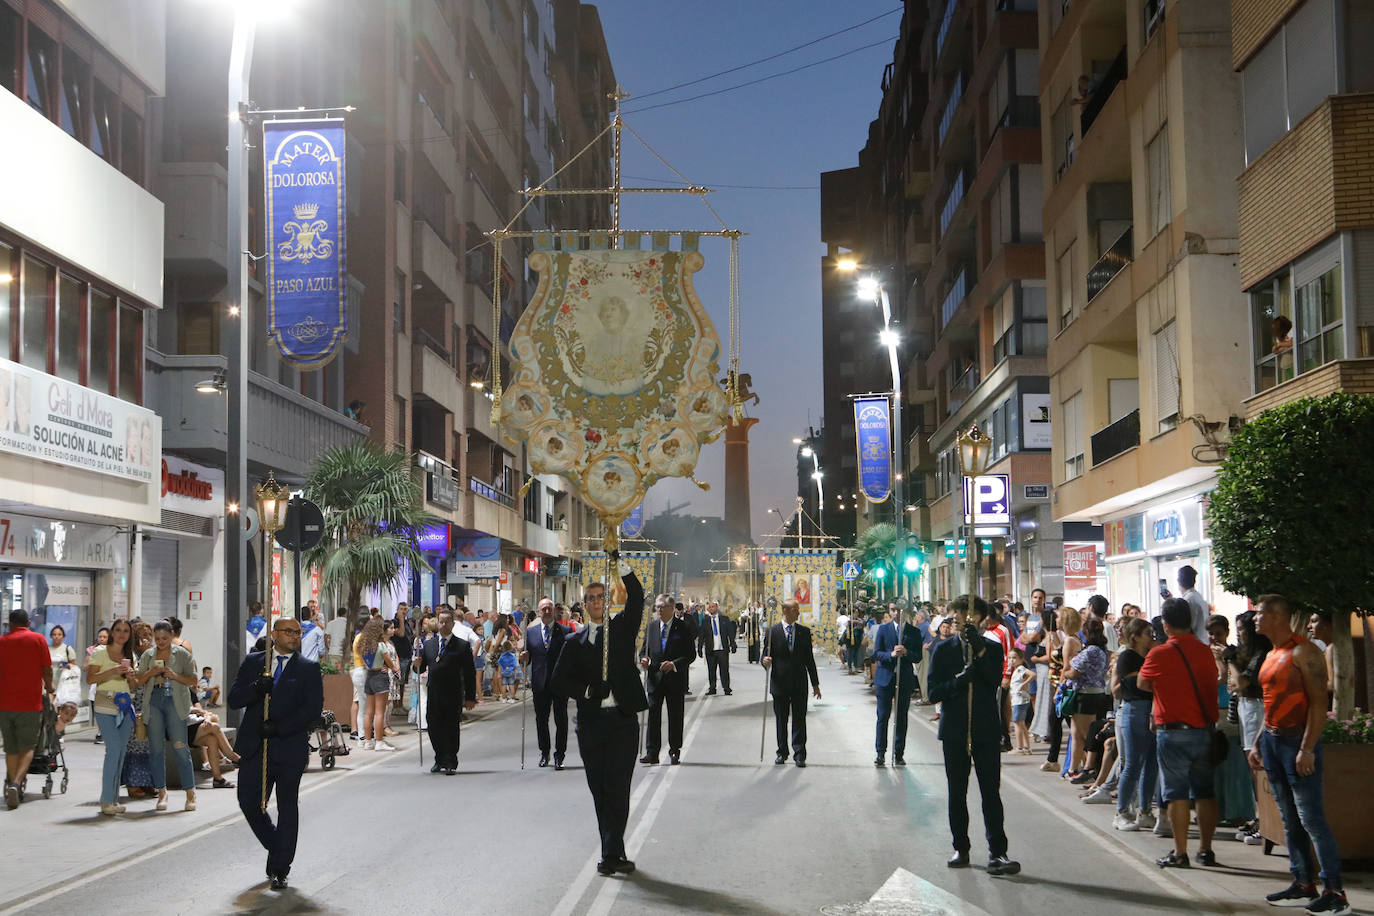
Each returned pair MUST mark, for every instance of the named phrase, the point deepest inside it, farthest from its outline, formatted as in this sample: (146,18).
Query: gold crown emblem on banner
(305,211)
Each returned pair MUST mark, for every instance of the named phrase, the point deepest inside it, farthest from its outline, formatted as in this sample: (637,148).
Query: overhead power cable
(764,60)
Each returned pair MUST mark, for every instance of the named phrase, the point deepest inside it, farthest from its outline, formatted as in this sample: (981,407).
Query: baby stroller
(47,756)
(330,739)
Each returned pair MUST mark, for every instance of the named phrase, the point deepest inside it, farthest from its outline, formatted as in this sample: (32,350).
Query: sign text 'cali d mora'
(307,288)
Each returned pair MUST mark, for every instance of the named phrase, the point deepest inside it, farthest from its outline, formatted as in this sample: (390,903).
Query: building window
(71,307)
(102,341)
(130,354)
(8,271)
(1064,280)
(1167,377)
(1035,329)
(1061,135)
(1072,412)
(131,145)
(1160,205)
(1290,76)
(1320,334)
(11,27)
(40,85)
(104,122)
(36,313)
(76,85)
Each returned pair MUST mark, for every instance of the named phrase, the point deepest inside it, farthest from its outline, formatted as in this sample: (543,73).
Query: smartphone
(1164,589)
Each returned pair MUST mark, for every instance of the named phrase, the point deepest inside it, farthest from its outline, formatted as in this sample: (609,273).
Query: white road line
(611,888)
(144,855)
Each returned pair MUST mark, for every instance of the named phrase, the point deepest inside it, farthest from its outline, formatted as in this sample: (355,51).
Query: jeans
(165,725)
(116,739)
(1136,751)
(1185,765)
(1300,802)
(1251,711)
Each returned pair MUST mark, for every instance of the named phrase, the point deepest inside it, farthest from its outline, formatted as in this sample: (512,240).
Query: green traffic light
(911,562)
(880,573)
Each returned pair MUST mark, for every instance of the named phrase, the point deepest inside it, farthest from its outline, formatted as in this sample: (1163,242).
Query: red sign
(505,578)
(1080,566)
(186,483)
(531,565)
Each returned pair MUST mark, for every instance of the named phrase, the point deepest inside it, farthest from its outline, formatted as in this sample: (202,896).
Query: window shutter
(1166,373)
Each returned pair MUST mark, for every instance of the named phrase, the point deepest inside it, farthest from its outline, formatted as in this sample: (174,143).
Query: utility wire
(764,60)
(762,79)
(734,187)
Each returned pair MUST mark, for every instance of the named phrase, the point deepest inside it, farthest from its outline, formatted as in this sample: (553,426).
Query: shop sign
(1036,490)
(443,490)
(1035,421)
(432,538)
(558,566)
(54,420)
(1080,566)
(529,564)
(505,577)
(1125,536)
(190,488)
(74,591)
(1173,525)
(45,542)
(476,558)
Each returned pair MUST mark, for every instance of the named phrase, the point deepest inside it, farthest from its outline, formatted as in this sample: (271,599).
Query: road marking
(70,884)
(608,891)
(906,894)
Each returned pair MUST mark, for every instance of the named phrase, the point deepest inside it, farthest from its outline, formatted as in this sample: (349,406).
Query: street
(721,833)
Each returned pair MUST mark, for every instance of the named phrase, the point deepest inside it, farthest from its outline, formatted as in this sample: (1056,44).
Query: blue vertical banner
(307,289)
(873,438)
(633,526)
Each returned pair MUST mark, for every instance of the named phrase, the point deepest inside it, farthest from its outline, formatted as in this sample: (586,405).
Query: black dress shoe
(279,882)
(674,757)
(615,864)
(450,771)
(729,693)
(624,866)
(436,768)
(958,860)
(879,761)
(899,761)
(558,761)
(711,692)
(801,762)
(781,758)
(649,759)
(1001,865)
(543,760)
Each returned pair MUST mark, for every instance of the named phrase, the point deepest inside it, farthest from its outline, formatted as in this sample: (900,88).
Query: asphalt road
(720,834)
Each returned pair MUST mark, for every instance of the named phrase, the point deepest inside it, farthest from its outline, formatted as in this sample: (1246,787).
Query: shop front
(1146,548)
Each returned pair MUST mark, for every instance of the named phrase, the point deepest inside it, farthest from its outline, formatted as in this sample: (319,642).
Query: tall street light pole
(973,449)
(873,288)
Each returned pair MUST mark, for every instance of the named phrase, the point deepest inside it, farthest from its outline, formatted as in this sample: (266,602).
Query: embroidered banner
(874,442)
(633,526)
(307,289)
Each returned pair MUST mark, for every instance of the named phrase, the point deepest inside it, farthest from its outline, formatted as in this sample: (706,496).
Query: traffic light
(880,571)
(911,554)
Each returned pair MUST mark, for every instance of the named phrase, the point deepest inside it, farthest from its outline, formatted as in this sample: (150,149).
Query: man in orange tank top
(1289,749)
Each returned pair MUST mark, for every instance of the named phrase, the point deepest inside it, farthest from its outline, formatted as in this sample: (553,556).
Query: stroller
(48,757)
(330,740)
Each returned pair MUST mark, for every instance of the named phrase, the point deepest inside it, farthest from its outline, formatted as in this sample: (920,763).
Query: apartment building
(80,279)
(1149,355)
(1306,204)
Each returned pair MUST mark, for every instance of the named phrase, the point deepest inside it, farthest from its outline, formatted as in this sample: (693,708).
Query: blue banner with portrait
(307,289)
(633,526)
(873,438)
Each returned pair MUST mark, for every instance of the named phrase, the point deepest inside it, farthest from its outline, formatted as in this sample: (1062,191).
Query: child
(208,691)
(1022,677)
(66,715)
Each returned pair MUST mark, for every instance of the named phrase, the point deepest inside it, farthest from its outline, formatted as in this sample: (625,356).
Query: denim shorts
(1022,712)
(1185,766)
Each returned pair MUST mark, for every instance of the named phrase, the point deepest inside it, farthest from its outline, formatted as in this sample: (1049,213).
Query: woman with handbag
(110,672)
(165,672)
(64,664)
(138,768)
(1086,670)
(379,659)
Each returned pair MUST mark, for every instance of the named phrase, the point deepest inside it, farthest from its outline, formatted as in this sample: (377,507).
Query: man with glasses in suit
(788,655)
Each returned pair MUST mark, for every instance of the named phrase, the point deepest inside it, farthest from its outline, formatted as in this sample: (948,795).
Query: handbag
(1221,745)
(1065,701)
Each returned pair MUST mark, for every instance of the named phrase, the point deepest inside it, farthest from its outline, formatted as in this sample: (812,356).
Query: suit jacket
(792,666)
(678,651)
(451,672)
(297,702)
(543,655)
(886,670)
(946,661)
(727,633)
(579,663)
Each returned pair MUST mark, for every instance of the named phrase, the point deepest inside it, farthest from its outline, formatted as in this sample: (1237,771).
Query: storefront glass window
(101,341)
(71,301)
(38,300)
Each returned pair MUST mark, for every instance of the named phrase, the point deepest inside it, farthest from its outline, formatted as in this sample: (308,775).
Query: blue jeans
(116,738)
(1185,765)
(1300,802)
(1139,765)
(165,725)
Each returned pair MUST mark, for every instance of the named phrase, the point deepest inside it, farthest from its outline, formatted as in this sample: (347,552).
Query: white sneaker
(1163,828)
(1145,820)
(383,746)
(368,744)
(1253,839)
(1099,796)
(1124,822)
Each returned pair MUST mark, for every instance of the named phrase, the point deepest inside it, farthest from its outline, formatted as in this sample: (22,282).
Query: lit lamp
(974,450)
(272,499)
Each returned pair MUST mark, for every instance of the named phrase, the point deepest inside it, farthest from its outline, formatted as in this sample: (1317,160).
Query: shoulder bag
(1221,745)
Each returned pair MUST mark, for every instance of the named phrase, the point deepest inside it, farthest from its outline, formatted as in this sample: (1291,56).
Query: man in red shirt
(25,672)
(1183,675)
(996,631)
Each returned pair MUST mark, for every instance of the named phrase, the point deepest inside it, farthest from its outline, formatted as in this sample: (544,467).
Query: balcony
(493,511)
(196,195)
(1112,262)
(287,433)
(431,256)
(1118,437)
(952,201)
(957,291)
(432,375)
(487,491)
(434,141)
(1093,107)
(439,480)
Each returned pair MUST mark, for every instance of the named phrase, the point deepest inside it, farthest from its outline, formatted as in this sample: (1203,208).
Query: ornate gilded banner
(811,577)
(644,563)
(873,438)
(307,287)
(614,378)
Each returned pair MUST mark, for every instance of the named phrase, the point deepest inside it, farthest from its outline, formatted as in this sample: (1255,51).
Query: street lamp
(974,450)
(872,289)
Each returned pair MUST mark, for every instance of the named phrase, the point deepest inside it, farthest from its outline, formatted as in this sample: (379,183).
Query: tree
(872,547)
(1288,515)
(373,510)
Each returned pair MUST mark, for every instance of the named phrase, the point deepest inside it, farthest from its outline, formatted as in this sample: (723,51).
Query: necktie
(789,636)
(443,641)
(276,674)
(663,638)
(544,633)
(715,628)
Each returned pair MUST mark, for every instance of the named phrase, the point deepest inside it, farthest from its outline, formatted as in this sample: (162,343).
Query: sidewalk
(41,850)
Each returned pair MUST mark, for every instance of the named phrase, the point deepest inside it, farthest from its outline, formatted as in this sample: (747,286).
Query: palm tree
(874,544)
(373,510)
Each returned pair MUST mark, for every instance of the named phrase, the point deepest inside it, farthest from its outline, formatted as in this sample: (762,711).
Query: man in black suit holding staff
(447,656)
(787,653)
(666,655)
(542,644)
(605,683)
(297,693)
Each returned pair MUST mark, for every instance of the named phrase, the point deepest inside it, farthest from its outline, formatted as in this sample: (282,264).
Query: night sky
(782,132)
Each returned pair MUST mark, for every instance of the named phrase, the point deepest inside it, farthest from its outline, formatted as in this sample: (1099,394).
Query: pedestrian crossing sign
(851,569)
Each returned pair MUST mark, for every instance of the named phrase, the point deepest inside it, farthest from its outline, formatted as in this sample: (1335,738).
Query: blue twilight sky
(781,132)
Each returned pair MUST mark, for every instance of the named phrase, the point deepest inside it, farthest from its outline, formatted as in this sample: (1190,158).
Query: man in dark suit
(447,656)
(895,677)
(690,619)
(609,696)
(665,655)
(716,642)
(965,673)
(543,643)
(297,700)
(787,653)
